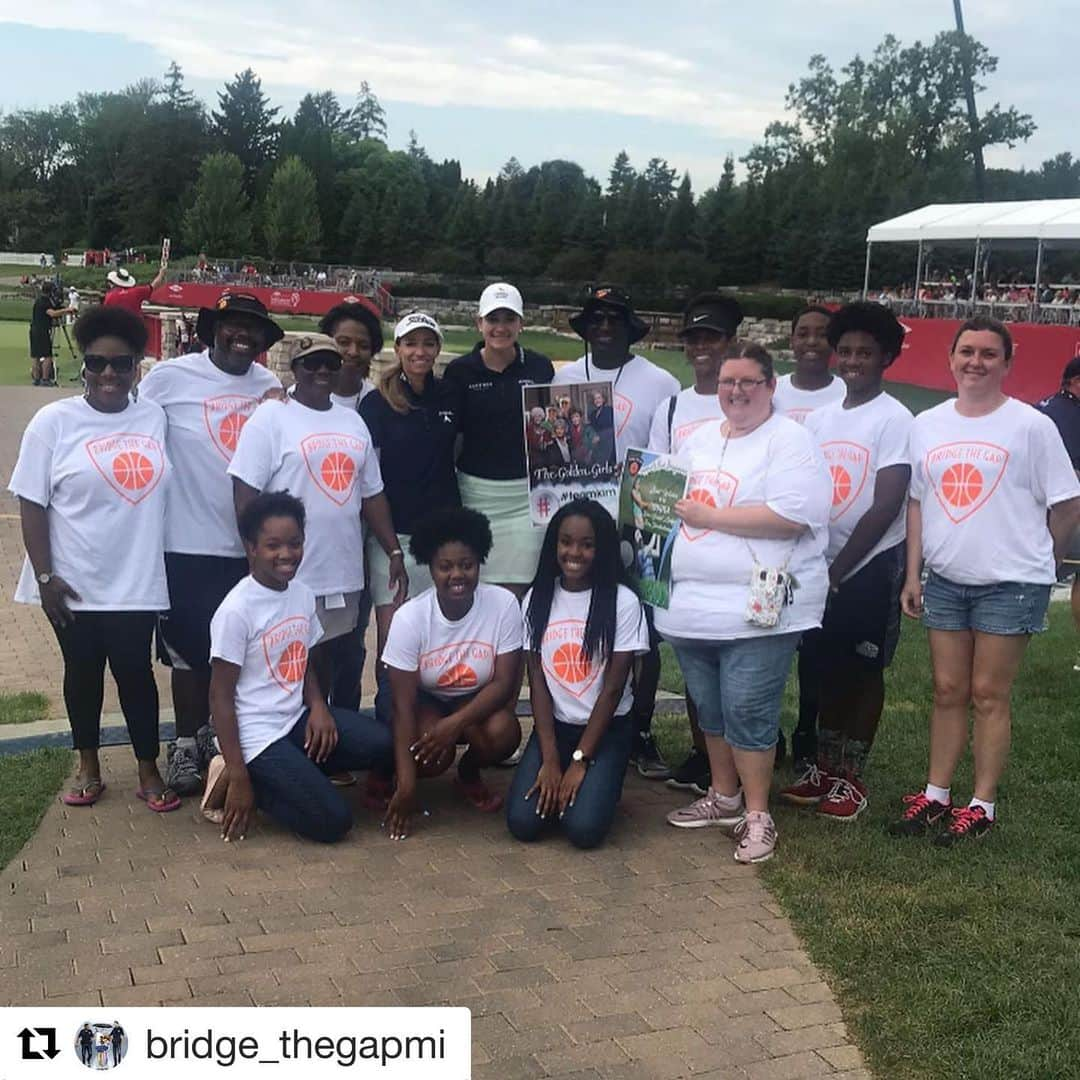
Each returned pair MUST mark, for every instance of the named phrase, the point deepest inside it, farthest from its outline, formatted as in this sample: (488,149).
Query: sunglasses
(330,361)
(122,365)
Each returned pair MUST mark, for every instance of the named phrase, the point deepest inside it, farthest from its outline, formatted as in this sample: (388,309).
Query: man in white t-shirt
(610,326)
(710,323)
(864,441)
(207,398)
(809,387)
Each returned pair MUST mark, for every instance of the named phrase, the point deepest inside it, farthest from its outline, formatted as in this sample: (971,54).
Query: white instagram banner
(42,1043)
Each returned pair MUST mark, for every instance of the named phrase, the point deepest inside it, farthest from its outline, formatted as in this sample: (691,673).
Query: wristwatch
(397,553)
(44,577)
(579,757)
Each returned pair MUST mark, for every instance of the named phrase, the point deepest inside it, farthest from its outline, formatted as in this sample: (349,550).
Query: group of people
(257,529)
(568,434)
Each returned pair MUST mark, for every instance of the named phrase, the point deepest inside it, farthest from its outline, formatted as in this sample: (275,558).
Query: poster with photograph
(570,447)
(651,486)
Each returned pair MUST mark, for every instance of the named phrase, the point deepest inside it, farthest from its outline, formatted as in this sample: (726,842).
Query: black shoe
(966,823)
(781,750)
(693,774)
(37,382)
(648,760)
(919,817)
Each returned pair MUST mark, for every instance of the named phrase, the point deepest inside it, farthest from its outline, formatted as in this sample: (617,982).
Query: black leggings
(123,639)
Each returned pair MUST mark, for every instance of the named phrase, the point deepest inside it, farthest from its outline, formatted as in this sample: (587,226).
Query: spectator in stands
(1064,409)
(492,472)
(984,467)
(123,291)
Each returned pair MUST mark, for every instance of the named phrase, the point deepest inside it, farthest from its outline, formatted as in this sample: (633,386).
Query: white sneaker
(757,837)
(711,809)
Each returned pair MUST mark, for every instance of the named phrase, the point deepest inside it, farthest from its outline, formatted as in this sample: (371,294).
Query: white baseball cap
(417,320)
(501,296)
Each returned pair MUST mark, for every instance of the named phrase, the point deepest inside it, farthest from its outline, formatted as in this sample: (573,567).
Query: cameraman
(48,306)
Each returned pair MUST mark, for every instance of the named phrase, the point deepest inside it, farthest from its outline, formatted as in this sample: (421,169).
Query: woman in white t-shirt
(90,479)
(453,656)
(864,441)
(323,454)
(583,627)
(756,514)
(994,500)
(280,742)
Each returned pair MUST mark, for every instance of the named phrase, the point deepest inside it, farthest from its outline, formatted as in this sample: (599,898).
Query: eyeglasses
(330,361)
(744,386)
(122,365)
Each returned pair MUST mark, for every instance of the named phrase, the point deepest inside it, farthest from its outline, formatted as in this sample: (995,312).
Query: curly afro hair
(357,312)
(455,524)
(268,504)
(101,321)
(873,319)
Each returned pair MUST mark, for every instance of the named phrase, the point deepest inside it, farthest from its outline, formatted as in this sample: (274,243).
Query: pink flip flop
(159,806)
(87,795)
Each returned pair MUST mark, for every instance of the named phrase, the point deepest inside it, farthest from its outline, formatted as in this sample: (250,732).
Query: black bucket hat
(232,303)
(712,311)
(609,296)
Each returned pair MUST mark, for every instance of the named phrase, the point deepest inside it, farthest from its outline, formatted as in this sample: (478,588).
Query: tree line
(880,136)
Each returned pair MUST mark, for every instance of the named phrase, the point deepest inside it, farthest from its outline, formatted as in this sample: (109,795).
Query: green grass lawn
(28,783)
(23,708)
(949,963)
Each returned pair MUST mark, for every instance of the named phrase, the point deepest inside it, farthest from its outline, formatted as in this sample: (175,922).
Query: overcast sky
(687,80)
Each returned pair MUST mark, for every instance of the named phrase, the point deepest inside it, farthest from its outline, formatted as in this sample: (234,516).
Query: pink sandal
(86,795)
(161,802)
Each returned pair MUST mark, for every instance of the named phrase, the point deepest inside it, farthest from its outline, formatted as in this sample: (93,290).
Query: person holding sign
(91,478)
(994,501)
(748,577)
(454,657)
(609,326)
(583,627)
(864,441)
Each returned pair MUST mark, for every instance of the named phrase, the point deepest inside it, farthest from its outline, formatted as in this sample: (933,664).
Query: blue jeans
(297,793)
(738,685)
(1007,608)
(347,655)
(587,822)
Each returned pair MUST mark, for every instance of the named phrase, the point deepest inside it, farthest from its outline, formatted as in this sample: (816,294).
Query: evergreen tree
(367,119)
(291,213)
(176,93)
(246,124)
(219,220)
(680,225)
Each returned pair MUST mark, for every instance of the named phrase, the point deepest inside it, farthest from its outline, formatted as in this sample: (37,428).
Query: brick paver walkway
(653,957)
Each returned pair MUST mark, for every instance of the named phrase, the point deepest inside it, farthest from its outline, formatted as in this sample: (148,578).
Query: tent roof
(1040,219)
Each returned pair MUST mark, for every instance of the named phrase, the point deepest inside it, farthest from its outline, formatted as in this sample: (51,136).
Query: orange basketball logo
(458,677)
(229,429)
(961,484)
(132,471)
(841,483)
(337,471)
(292,663)
(702,496)
(570,664)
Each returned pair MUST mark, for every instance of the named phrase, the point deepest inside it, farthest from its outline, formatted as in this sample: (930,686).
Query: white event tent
(1046,223)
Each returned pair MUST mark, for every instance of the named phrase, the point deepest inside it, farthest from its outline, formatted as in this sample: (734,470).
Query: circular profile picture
(101,1044)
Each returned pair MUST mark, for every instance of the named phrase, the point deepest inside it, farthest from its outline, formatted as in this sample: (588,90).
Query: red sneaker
(845,801)
(809,789)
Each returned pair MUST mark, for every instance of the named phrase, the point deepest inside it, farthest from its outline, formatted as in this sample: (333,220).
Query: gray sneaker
(206,742)
(727,811)
(757,837)
(182,771)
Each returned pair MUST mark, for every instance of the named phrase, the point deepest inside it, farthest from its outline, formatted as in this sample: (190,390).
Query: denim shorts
(738,685)
(1006,607)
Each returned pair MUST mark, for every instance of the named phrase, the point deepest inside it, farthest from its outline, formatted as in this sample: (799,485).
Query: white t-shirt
(797,404)
(267,633)
(454,659)
(856,443)
(778,465)
(574,680)
(103,478)
(692,411)
(639,387)
(325,459)
(984,484)
(352,401)
(205,409)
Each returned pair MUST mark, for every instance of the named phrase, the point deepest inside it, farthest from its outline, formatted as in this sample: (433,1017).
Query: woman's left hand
(572,780)
(320,735)
(436,742)
(399,580)
(696,514)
